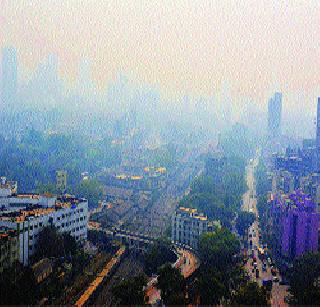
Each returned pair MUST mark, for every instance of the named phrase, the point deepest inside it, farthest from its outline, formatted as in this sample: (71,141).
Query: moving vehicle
(275,279)
(267,283)
(257,273)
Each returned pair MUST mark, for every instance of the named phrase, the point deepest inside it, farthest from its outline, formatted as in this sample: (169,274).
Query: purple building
(294,225)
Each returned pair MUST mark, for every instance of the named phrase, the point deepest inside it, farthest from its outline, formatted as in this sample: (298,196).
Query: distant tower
(318,136)
(274,115)
(61,181)
(9,76)
(318,126)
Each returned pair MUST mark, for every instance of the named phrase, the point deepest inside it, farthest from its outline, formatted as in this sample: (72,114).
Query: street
(250,204)
(187,262)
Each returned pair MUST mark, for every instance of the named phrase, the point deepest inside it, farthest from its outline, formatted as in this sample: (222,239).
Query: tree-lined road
(250,204)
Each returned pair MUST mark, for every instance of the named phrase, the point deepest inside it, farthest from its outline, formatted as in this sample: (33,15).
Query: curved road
(187,262)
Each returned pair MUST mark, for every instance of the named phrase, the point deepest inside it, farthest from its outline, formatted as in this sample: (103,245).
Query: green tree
(219,249)
(130,292)
(51,243)
(158,254)
(91,190)
(18,286)
(250,294)
(305,279)
(172,285)
(210,288)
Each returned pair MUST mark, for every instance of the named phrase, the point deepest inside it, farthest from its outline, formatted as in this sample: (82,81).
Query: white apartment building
(187,227)
(30,213)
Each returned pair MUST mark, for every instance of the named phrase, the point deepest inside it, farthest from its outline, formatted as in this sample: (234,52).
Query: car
(257,273)
(275,279)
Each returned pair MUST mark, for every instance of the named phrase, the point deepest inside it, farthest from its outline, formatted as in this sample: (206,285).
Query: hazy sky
(194,46)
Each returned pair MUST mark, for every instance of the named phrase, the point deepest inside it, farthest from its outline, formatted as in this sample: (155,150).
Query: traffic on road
(259,264)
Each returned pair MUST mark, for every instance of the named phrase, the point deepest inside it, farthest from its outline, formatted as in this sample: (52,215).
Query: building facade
(61,181)
(294,225)
(28,214)
(187,227)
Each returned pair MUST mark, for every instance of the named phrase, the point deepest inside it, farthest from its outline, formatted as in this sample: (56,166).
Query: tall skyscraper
(318,126)
(274,115)
(9,76)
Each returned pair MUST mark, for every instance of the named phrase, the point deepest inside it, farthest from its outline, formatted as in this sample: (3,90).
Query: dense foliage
(220,270)
(158,254)
(35,157)
(219,191)
(130,292)
(305,279)
(262,188)
(18,286)
(250,294)
(51,243)
(218,249)
(172,285)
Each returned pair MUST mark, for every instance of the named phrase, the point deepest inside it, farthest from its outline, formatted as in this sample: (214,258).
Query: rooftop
(62,202)
(193,212)
(297,200)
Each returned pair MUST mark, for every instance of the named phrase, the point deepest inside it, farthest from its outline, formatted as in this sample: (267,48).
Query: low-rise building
(42,269)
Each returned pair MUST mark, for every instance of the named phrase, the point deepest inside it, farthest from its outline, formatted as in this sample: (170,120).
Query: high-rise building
(318,132)
(294,225)
(274,115)
(61,181)
(9,76)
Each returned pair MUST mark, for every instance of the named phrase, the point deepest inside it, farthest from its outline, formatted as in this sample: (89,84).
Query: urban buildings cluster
(24,216)
(294,201)
(295,224)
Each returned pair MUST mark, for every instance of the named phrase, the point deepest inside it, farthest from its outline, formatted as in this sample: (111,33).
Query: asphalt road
(250,204)
(187,262)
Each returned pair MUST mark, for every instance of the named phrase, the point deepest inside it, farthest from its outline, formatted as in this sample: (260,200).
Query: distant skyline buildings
(275,115)
(9,76)
(45,88)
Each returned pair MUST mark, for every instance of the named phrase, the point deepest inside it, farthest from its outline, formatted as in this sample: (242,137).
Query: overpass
(133,240)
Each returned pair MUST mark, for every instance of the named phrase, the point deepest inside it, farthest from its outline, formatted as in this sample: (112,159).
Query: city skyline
(255,48)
